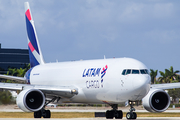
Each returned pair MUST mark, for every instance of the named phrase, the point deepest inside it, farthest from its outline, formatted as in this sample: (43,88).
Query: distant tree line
(6,96)
(16,72)
(168,76)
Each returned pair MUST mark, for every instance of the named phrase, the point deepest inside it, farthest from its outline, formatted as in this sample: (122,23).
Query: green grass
(79,115)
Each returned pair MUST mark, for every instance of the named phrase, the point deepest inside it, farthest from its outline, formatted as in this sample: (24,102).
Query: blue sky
(147,30)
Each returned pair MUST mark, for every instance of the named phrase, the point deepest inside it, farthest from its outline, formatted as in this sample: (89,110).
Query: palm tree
(21,72)
(172,74)
(163,78)
(177,78)
(169,75)
(153,75)
(12,71)
(27,67)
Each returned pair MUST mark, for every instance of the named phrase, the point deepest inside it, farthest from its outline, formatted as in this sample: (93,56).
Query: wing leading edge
(62,91)
(12,77)
(165,86)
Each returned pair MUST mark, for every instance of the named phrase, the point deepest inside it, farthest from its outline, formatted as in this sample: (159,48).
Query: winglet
(35,54)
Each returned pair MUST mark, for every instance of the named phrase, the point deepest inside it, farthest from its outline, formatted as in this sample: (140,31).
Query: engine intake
(156,101)
(30,100)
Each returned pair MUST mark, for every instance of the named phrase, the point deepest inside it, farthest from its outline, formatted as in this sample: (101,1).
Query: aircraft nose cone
(141,80)
(141,84)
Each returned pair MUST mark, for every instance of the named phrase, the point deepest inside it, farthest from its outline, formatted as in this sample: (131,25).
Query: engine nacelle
(156,101)
(30,100)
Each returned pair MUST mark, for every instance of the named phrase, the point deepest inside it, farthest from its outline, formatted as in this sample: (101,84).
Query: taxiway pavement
(140,118)
(85,110)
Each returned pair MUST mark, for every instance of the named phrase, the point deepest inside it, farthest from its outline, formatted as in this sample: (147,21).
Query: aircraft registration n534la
(105,81)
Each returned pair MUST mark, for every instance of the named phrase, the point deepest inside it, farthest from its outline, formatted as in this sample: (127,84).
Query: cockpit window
(135,71)
(124,72)
(128,71)
(143,71)
(147,72)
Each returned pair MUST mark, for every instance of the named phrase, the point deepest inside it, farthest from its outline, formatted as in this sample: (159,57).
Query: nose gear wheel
(131,114)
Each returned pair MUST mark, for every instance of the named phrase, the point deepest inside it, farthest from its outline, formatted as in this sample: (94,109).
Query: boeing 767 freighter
(105,81)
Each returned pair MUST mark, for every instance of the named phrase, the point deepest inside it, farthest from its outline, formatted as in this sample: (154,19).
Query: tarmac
(139,118)
(14,108)
(86,110)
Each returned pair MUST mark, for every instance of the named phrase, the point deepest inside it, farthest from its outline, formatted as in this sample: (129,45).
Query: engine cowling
(156,101)
(30,100)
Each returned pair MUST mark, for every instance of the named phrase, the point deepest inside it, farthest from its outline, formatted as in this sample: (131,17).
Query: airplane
(104,81)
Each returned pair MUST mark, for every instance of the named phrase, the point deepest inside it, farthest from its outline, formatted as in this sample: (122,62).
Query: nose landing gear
(131,114)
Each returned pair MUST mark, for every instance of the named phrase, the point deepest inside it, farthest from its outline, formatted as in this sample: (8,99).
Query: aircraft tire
(109,114)
(134,115)
(47,114)
(131,115)
(37,114)
(119,114)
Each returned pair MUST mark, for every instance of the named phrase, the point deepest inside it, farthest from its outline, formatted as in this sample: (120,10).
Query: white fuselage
(98,81)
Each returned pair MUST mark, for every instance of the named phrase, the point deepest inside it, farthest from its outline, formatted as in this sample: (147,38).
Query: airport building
(13,58)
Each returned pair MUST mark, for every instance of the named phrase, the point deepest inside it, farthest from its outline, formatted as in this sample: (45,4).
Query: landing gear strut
(131,114)
(45,113)
(110,114)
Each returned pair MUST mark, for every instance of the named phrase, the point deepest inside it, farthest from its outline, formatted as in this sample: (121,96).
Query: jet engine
(156,100)
(30,100)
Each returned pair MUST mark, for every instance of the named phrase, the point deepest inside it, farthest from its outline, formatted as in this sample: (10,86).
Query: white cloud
(132,13)
(96,12)
(163,10)
(86,27)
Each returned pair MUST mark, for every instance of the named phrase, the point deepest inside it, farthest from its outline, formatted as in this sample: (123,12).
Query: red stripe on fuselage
(31,47)
(28,14)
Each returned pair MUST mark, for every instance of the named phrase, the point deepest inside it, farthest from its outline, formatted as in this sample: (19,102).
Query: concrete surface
(83,110)
(14,108)
(141,118)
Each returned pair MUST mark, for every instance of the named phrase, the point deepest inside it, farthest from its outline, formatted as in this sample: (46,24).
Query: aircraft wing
(12,77)
(63,91)
(166,86)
